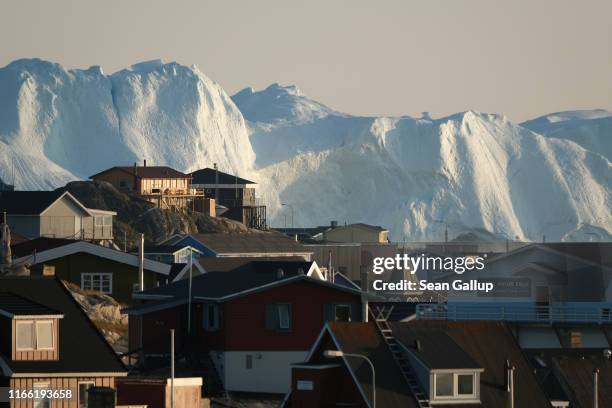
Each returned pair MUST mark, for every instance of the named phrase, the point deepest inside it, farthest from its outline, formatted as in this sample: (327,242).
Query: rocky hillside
(135,216)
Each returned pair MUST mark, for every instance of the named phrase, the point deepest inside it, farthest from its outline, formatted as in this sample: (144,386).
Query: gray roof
(12,304)
(214,264)
(209,176)
(220,284)
(430,342)
(253,242)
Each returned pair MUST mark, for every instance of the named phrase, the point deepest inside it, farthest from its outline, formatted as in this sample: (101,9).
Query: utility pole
(141,264)
(189,301)
(171,368)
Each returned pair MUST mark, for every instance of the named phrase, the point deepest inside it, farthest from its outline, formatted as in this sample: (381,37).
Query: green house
(91,266)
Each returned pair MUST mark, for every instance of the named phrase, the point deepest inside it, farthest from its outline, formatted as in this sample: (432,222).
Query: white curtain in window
(44,335)
(25,335)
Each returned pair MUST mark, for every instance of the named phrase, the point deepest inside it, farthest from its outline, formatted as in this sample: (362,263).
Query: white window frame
(286,307)
(32,334)
(92,383)
(36,324)
(456,397)
(100,274)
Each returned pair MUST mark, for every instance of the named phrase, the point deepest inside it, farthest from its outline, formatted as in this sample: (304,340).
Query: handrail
(589,312)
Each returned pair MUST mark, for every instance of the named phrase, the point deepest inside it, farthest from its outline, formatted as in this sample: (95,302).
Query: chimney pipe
(145,163)
(511,385)
(595,388)
(141,263)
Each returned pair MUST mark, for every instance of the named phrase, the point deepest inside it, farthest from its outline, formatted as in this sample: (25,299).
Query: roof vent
(280,274)
(607,354)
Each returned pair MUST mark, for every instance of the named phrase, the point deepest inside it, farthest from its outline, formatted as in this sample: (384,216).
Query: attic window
(455,386)
(31,335)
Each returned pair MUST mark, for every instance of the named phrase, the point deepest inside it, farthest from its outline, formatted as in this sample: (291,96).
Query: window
(100,282)
(32,335)
(304,385)
(41,402)
(465,384)
(444,385)
(211,317)
(249,361)
(25,335)
(103,220)
(44,335)
(278,316)
(342,313)
(283,316)
(460,386)
(123,183)
(83,394)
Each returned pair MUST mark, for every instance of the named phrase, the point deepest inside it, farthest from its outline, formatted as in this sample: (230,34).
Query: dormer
(448,377)
(29,330)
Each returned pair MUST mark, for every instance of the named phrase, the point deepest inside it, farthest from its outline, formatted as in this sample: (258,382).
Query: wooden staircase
(380,316)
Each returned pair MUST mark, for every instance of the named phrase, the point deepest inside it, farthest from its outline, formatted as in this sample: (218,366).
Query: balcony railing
(569,312)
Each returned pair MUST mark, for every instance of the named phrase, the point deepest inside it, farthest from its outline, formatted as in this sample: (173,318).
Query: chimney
(145,163)
(280,274)
(135,169)
(141,263)
(595,388)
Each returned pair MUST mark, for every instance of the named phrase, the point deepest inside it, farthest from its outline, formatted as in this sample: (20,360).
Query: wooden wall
(64,383)
(36,355)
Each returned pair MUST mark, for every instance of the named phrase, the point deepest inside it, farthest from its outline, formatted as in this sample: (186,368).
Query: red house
(253,322)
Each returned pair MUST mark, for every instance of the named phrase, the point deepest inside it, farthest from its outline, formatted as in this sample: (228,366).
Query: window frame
(92,383)
(40,322)
(456,396)
(286,307)
(91,276)
(343,305)
(206,323)
(32,325)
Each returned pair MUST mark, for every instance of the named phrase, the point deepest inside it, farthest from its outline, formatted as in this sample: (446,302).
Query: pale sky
(522,58)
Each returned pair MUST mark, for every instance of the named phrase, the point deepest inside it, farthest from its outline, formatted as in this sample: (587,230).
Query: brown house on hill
(234,194)
(161,185)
